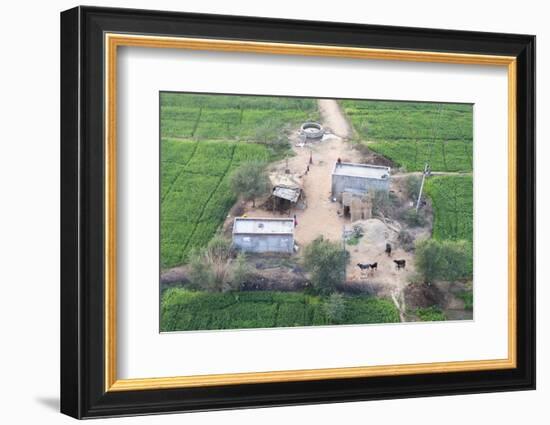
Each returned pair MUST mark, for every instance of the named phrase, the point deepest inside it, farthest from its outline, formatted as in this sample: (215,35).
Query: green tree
(326,261)
(444,260)
(212,268)
(272,134)
(251,181)
(335,307)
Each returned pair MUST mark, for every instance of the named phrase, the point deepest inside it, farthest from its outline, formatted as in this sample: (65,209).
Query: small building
(264,234)
(359,179)
(286,191)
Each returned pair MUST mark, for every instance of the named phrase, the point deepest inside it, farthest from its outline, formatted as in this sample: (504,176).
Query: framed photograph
(261,212)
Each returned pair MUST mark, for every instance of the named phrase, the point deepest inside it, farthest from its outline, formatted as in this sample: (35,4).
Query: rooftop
(361,170)
(262,226)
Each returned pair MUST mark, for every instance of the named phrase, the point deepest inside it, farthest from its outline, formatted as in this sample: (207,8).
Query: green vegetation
(452,200)
(250,181)
(196,192)
(356,235)
(213,269)
(443,260)
(229,117)
(326,261)
(335,308)
(468,298)
(430,314)
(182,310)
(413,133)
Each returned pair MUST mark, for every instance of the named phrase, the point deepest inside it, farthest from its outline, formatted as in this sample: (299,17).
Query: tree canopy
(326,261)
(444,260)
(250,181)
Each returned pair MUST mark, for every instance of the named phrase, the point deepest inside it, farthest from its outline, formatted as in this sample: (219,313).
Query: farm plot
(195,191)
(188,310)
(413,133)
(452,199)
(186,115)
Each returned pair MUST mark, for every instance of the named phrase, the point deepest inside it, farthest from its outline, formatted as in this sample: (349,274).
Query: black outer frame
(82,219)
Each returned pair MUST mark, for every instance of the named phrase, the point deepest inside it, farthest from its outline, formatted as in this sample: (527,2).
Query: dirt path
(333,118)
(320,217)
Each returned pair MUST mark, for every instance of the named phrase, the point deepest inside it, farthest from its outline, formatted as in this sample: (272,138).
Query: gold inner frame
(113,41)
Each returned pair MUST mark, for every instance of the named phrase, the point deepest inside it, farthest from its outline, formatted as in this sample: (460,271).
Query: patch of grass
(413,133)
(195,192)
(229,117)
(452,201)
(430,314)
(354,240)
(183,310)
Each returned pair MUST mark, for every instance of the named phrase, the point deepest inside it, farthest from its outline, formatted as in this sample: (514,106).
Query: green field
(229,117)
(413,133)
(452,200)
(195,191)
(187,310)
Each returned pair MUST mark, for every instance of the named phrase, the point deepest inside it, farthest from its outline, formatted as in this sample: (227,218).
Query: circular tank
(312,130)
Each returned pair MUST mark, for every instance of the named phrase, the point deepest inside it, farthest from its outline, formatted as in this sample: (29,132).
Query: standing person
(295,221)
(388,249)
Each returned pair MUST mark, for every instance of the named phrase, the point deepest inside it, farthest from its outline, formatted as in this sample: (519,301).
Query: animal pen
(354,185)
(263,235)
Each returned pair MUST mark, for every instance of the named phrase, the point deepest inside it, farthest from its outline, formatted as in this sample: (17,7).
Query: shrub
(412,186)
(430,314)
(444,260)
(406,240)
(413,218)
(326,261)
(212,269)
(381,203)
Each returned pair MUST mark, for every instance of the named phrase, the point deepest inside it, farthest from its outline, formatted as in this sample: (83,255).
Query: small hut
(286,191)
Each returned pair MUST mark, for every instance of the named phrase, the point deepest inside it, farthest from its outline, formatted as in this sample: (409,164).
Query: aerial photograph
(281,212)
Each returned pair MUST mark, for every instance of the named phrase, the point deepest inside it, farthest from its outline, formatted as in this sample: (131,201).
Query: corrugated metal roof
(287,193)
(262,226)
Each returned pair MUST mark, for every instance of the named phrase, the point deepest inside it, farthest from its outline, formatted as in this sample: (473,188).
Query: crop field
(195,191)
(228,117)
(413,133)
(452,199)
(187,310)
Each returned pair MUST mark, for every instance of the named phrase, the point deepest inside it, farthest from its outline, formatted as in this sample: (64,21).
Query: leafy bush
(444,260)
(381,203)
(413,218)
(431,314)
(326,261)
(406,240)
(412,186)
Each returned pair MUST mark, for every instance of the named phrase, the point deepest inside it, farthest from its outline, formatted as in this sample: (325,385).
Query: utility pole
(422,185)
